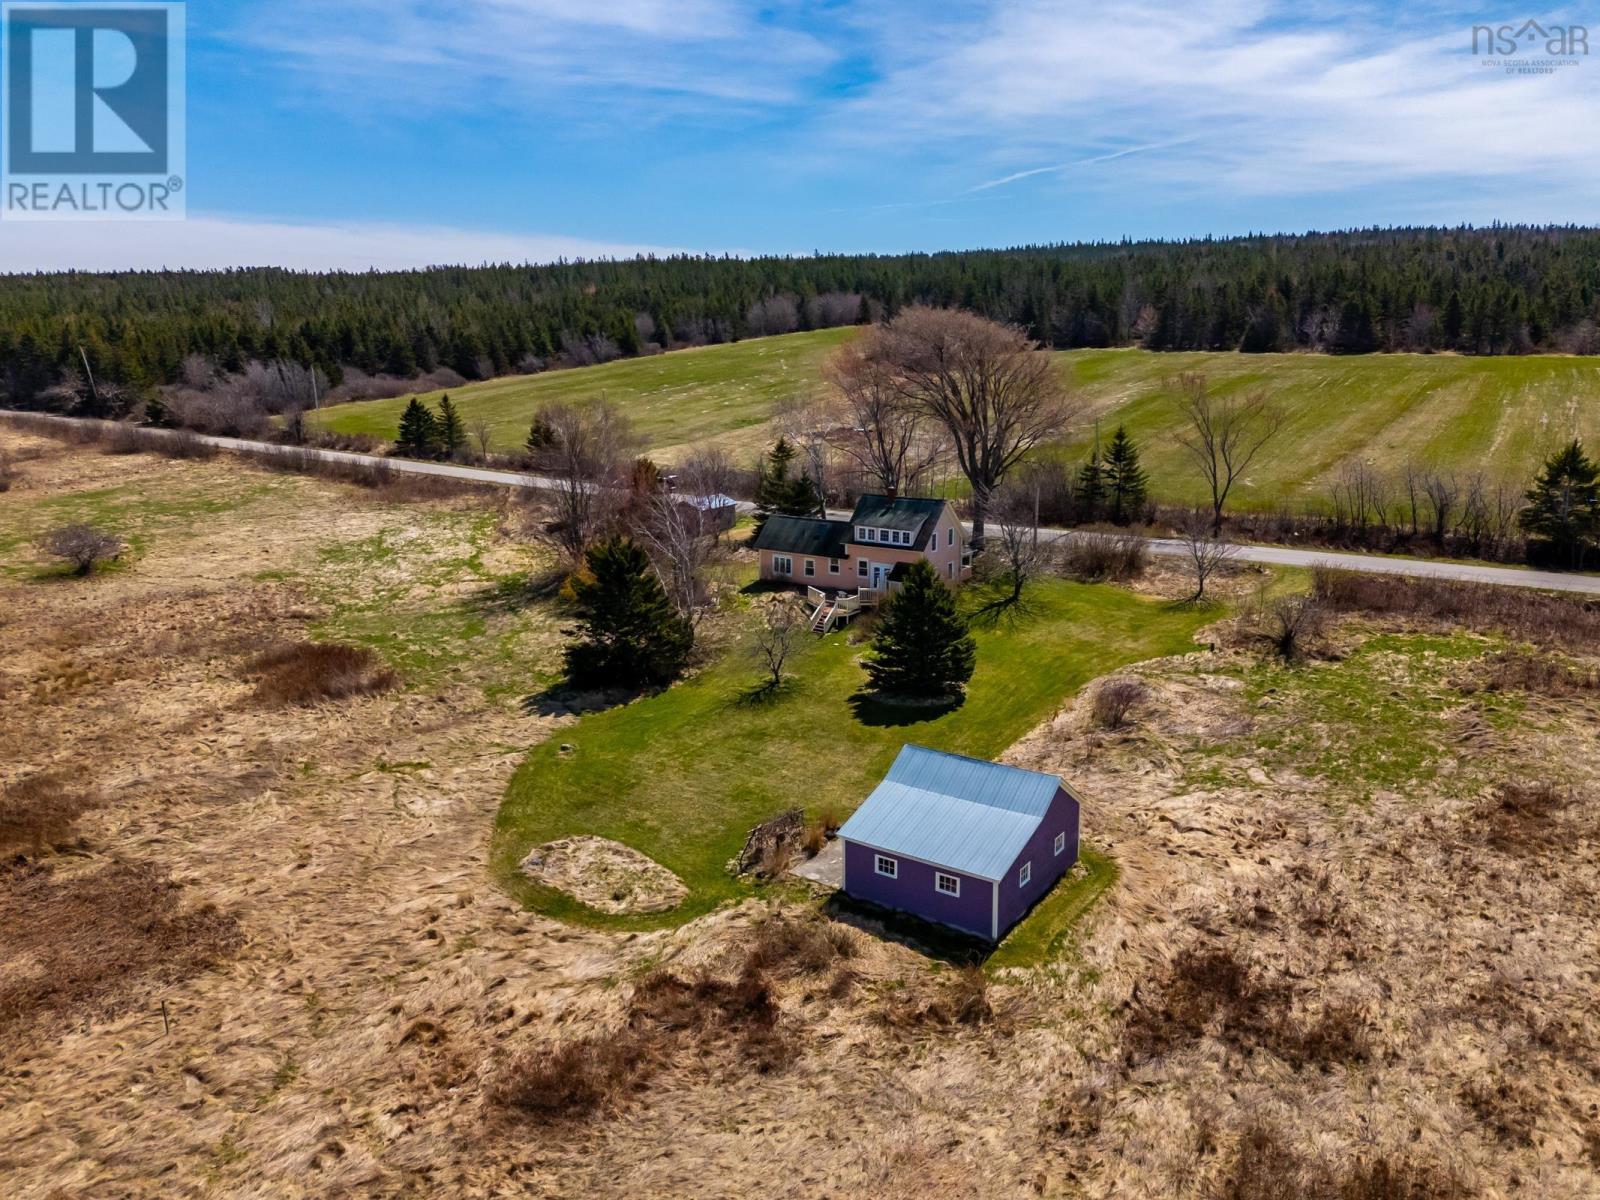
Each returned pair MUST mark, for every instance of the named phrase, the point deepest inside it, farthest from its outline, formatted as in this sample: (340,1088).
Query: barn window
(888,866)
(946,885)
(811,567)
(1061,842)
(1025,874)
(782,564)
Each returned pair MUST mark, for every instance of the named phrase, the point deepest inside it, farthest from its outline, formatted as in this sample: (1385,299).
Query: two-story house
(847,565)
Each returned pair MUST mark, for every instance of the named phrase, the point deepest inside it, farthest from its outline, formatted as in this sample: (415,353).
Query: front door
(880,575)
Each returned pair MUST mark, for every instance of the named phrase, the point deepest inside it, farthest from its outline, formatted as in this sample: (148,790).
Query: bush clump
(1113,700)
(82,546)
(1104,557)
(307,672)
(39,811)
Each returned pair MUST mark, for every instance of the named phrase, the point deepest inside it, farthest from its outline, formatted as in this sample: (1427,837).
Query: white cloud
(569,56)
(223,241)
(1253,98)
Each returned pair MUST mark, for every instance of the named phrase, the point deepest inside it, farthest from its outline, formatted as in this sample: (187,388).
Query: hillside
(1497,290)
(1498,415)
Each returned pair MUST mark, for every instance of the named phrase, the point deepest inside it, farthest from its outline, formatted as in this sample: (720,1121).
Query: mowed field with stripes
(1495,415)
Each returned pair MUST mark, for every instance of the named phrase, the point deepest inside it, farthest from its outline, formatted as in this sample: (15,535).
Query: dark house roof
(902,512)
(802,535)
(952,811)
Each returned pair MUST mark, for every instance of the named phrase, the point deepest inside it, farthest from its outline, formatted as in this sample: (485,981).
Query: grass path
(1495,414)
(684,775)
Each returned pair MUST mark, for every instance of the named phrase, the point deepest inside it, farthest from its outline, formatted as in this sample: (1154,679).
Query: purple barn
(967,843)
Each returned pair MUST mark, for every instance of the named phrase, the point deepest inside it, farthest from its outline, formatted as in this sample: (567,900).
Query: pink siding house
(851,564)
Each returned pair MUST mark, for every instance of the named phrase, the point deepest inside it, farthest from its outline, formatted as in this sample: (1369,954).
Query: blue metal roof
(963,813)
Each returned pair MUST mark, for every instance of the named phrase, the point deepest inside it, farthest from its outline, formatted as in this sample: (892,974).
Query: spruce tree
(1564,504)
(419,431)
(1091,487)
(922,647)
(776,492)
(541,436)
(452,433)
(1125,479)
(629,635)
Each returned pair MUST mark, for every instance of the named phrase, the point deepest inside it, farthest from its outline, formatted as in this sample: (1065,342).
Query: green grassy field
(721,392)
(1494,414)
(684,775)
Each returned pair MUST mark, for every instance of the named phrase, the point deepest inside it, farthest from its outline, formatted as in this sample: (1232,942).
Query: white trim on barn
(994,911)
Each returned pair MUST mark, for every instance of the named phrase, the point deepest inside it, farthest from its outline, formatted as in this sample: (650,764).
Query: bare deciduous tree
(889,438)
(1360,496)
(1017,547)
(1223,434)
(781,634)
(1204,551)
(806,424)
(706,471)
(84,546)
(481,432)
(588,453)
(1442,492)
(683,549)
(991,389)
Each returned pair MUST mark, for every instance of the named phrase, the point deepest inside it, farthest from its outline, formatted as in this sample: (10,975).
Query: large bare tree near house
(890,439)
(1223,434)
(992,390)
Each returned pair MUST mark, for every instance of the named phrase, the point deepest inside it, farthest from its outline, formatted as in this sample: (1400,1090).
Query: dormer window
(863,534)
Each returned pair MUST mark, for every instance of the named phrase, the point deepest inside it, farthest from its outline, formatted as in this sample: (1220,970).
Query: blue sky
(406,132)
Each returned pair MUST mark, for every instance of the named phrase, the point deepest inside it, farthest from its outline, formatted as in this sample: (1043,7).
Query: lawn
(1466,414)
(722,392)
(684,775)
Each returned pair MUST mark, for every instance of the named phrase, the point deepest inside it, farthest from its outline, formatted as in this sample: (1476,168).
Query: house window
(811,567)
(833,566)
(867,535)
(782,564)
(1025,874)
(950,570)
(861,568)
(950,536)
(887,866)
(946,885)
(1061,842)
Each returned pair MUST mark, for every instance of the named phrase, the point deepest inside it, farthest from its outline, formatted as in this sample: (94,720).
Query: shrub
(1113,700)
(1537,616)
(1544,674)
(306,672)
(39,811)
(95,937)
(8,471)
(1104,557)
(1289,622)
(574,1079)
(83,546)
(815,838)
(799,945)
(1519,816)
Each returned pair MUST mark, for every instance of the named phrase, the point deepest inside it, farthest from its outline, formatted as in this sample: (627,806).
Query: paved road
(1282,556)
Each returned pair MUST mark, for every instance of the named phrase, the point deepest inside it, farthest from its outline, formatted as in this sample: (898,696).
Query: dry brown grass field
(1351,953)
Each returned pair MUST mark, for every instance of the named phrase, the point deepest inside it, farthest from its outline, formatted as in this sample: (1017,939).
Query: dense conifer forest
(1495,290)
